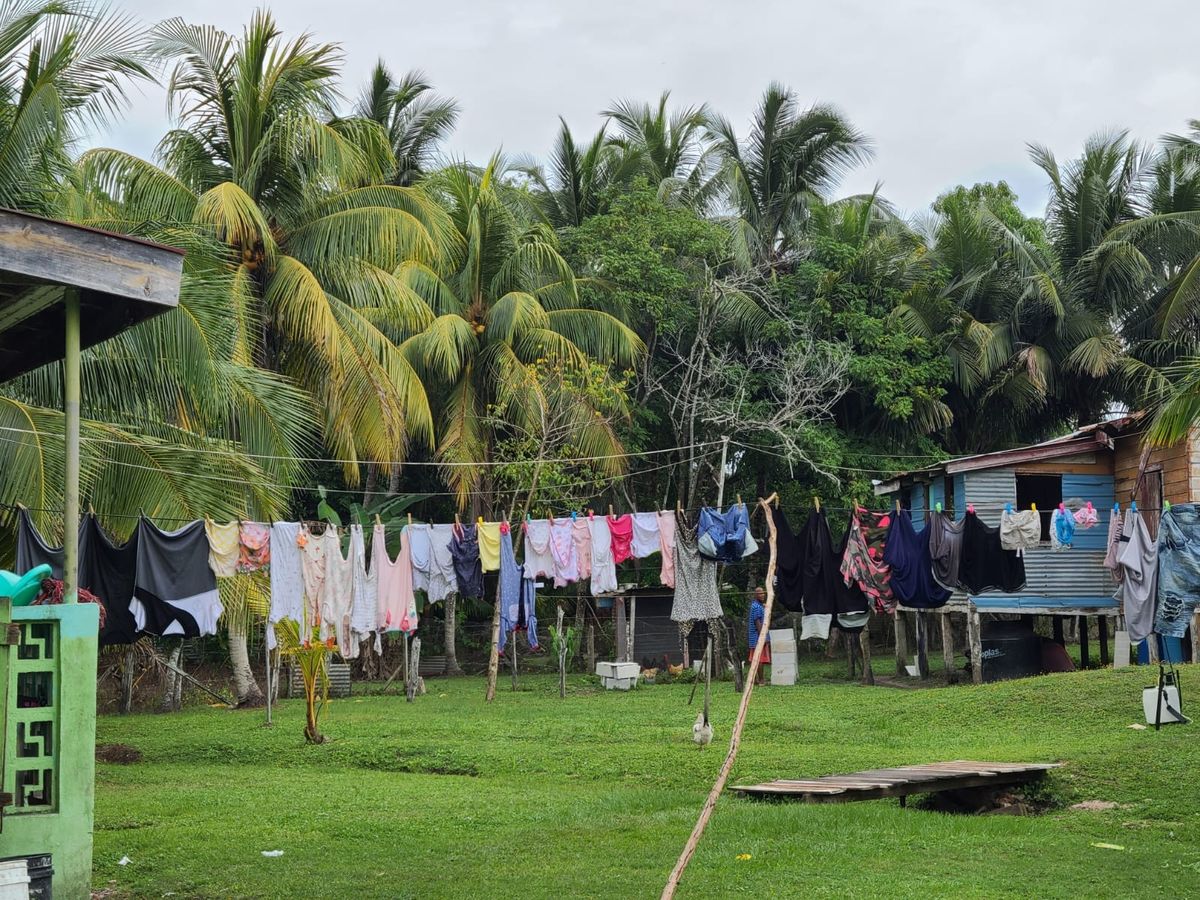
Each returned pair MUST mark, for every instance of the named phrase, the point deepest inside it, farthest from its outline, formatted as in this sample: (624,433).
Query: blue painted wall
(937,492)
(917,504)
(960,493)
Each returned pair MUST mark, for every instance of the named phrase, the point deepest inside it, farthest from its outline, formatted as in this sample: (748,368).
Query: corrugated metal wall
(989,490)
(1078,490)
(960,487)
(916,501)
(1067,573)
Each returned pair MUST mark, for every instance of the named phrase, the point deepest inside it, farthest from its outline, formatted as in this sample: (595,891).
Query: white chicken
(702,731)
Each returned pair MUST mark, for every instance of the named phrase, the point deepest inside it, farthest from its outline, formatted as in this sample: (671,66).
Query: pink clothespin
(1062,507)
(504,529)
(971,508)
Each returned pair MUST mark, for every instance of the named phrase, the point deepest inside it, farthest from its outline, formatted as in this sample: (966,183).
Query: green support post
(71,475)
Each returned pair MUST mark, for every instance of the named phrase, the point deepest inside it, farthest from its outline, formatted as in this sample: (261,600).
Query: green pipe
(71,475)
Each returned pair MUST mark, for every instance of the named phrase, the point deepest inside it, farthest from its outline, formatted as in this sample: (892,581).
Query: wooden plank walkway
(900,781)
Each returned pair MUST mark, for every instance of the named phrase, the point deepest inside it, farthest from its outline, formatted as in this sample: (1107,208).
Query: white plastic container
(1170,693)
(783,656)
(14,880)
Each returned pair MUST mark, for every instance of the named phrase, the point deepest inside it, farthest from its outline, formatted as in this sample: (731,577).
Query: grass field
(533,796)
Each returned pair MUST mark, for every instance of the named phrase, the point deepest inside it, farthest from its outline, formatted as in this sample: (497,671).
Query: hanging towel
(697,596)
(621,530)
(420,547)
(1062,530)
(945,548)
(566,554)
(604,569)
(254,540)
(1178,569)
(287,578)
(985,564)
(106,568)
(312,556)
(646,540)
(364,612)
(489,546)
(1139,565)
(539,555)
(464,550)
(581,531)
(1112,553)
(175,591)
(862,562)
(517,597)
(223,547)
(815,626)
(397,604)
(1020,530)
(666,543)
(338,601)
(907,553)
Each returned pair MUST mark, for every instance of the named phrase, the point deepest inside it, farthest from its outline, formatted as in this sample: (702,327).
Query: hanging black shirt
(789,565)
(985,565)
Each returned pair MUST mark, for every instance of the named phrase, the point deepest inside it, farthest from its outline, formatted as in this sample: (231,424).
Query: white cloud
(949,91)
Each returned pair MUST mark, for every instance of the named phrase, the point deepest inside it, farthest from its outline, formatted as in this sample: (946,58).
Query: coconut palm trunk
(245,686)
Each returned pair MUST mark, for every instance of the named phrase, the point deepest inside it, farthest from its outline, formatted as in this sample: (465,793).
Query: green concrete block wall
(62,641)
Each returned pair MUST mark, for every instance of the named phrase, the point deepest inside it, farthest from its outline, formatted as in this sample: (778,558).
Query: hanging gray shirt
(945,549)
(1139,565)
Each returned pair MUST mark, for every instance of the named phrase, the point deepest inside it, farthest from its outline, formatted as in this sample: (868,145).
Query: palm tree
(581,178)
(507,304)
(792,158)
(416,124)
(300,202)
(670,147)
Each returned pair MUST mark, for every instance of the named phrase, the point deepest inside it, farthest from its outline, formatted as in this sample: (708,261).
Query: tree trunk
(369,483)
(394,481)
(170,680)
(127,680)
(451,635)
(244,683)
(580,608)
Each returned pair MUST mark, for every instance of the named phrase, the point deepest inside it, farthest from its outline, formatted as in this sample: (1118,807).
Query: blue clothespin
(1008,507)
(574,515)
(1133,506)
(1116,509)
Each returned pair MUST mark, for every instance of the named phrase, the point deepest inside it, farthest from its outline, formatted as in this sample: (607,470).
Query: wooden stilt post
(901,643)
(864,644)
(923,643)
(1102,626)
(976,644)
(1084,657)
(948,648)
(1056,627)
(735,736)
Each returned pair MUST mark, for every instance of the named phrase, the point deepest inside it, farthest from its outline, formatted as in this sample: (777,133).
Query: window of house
(1043,490)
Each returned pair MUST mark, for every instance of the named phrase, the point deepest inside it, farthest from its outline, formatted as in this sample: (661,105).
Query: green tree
(670,148)
(578,180)
(791,159)
(416,120)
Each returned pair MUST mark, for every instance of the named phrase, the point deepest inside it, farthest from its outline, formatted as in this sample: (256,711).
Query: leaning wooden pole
(735,737)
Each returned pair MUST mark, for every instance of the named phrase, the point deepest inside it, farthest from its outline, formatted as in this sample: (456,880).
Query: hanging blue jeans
(725,537)
(1178,569)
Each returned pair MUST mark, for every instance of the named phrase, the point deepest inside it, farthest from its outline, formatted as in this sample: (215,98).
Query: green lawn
(533,796)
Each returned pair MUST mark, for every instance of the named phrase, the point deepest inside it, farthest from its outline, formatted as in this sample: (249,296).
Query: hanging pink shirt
(621,529)
(666,536)
(582,533)
(397,603)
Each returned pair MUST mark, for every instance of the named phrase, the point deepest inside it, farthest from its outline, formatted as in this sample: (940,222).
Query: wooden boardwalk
(900,781)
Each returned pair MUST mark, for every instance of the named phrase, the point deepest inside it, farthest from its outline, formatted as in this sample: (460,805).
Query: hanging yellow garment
(223,547)
(489,546)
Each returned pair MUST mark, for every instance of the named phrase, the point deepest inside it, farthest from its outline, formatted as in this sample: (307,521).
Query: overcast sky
(950,91)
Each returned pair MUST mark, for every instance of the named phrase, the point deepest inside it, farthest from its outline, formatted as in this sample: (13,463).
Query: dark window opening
(1043,490)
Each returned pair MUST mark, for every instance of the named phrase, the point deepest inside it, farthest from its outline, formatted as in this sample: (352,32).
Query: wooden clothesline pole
(735,737)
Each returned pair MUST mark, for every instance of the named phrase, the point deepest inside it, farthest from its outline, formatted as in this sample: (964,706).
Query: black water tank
(1010,650)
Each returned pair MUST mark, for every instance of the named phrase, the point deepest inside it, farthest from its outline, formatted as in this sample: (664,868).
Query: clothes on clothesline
(945,548)
(985,564)
(604,567)
(1139,574)
(468,570)
(725,536)
(862,562)
(1020,530)
(174,589)
(697,596)
(907,553)
(1062,529)
(1178,591)
(518,607)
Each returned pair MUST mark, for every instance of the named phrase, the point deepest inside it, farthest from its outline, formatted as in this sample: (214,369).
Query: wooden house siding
(1179,465)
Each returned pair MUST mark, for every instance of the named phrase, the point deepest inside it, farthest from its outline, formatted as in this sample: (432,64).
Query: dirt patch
(122,754)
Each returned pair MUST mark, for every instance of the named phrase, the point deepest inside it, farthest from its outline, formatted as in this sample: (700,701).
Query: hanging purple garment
(907,553)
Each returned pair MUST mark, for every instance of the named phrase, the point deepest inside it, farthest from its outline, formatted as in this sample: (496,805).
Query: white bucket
(14,879)
(1169,694)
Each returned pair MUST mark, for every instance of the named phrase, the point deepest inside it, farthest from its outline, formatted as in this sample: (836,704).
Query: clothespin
(938,506)
(1033,506)
(1166,506)
(1089,504)
(740,503)
(971,508)
(610,511)
(457,520)
(897,506)
(1062,507)
(678,506)
(410,520)
(479,521)
(591,513)
(1008,507)
(1116,509)
(1133,505)
(817,503)
(379,521)
(574,516)
(91,512)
